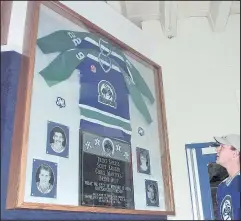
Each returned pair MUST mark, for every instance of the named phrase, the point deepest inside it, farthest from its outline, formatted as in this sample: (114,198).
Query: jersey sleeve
(138,80)
(62,66)
(138,100)
(135,95)
(60,41)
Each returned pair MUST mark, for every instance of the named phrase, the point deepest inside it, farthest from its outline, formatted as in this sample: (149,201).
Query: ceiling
(168,12)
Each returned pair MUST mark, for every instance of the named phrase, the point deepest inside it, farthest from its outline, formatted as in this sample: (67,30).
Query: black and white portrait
(152,195)
(143,160)
(44,179)
(108,147)
(57,141)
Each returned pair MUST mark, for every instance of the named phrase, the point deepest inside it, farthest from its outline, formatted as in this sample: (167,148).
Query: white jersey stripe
(103,62)
(91,41)
(102,46)
(117,55)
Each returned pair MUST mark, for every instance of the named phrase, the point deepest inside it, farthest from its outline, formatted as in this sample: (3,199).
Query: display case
(90,130)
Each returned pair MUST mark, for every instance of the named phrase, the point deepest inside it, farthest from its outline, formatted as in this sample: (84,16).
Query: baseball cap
(230,139)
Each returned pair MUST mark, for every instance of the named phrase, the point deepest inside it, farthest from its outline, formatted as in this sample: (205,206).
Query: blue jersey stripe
(104,131)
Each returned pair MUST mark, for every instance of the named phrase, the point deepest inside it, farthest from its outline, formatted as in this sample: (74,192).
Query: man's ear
(236,153)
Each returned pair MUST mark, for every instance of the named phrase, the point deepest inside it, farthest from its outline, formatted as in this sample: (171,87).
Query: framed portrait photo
(152,196)
(44,179)
(143,161)
(93,105)
(57,139)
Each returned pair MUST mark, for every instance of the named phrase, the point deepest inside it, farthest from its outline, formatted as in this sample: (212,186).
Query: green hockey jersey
(108,105)
(60,41)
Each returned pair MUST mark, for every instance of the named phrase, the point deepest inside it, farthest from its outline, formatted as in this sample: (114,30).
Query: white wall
(201,72)
(16,27)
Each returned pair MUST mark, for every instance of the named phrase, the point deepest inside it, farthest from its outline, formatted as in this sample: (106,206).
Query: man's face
(224,155)
(58,138)
(143,159)
(151,193)
(108,147)
(44,177)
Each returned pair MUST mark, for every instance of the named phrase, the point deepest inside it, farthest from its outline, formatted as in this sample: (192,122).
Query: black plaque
(106,168)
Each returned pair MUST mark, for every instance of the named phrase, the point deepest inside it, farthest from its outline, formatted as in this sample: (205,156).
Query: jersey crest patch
(107,94)
(226,208)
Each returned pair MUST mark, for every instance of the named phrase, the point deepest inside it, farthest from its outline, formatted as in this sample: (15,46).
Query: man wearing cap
(228,192)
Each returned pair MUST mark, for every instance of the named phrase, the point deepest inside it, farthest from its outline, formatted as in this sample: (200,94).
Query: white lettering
(76,41)
(71,34)
(80,56)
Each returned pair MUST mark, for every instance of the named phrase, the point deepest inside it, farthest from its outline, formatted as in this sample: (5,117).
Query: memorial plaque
(106,169)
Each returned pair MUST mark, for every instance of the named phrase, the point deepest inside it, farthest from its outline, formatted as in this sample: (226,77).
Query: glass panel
(94,112)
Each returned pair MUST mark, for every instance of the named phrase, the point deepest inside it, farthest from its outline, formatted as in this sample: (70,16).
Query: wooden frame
(6,9)
(16,184)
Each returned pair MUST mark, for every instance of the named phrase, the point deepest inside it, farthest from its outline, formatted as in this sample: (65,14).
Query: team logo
(141,131)
(107,94)
(226,208)
(93,68)
(60,102)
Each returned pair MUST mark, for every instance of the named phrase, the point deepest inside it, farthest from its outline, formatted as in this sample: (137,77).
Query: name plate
(107,178)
